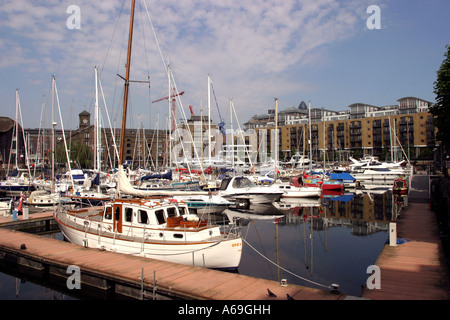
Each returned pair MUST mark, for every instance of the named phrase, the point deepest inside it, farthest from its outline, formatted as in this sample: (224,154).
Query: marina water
(309,242)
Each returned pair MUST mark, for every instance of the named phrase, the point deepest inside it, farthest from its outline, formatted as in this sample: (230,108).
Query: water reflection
(317,242)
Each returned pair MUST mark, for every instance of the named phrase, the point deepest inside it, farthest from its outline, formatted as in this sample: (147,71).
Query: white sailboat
(161,230)
(19,180)
(50,195)
(88,193)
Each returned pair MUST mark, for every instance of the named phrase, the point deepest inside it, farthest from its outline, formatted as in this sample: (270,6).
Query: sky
(325,52)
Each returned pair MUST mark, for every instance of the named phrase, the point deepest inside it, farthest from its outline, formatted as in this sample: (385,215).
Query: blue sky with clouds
(319,51)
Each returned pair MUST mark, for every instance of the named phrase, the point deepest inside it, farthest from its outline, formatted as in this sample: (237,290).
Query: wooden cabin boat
(159,230)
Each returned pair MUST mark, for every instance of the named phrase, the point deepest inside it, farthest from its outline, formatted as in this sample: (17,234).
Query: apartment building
(387,132)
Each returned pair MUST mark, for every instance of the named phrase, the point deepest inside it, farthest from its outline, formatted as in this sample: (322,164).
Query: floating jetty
(416,268)
(139,277)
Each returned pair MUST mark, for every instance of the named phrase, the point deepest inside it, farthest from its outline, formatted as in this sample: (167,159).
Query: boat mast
(276,138)
(127,84)
(310,136)
(209,119)
(232,136)
(97,136)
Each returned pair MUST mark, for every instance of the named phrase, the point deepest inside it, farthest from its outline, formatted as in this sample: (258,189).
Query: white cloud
(251,49)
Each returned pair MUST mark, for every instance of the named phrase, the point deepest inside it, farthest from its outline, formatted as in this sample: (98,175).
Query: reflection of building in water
(363,213)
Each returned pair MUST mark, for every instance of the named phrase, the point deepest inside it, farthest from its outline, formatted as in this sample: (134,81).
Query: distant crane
(172,97)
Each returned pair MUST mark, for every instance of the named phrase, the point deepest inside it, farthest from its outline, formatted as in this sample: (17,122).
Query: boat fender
(192,218)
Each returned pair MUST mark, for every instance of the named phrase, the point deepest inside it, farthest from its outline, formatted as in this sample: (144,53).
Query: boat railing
(230,230)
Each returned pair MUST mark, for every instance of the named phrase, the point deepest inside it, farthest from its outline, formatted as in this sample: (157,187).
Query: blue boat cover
(344,176)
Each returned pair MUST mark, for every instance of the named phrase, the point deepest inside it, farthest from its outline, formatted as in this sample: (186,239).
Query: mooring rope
(295,275)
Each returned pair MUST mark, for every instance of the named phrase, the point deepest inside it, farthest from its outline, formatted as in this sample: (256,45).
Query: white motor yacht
(240,186)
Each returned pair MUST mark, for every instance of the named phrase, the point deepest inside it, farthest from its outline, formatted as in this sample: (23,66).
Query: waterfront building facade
(144,148)
(388,132)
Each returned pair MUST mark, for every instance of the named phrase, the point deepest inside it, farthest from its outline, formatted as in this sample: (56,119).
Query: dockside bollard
(25,213)
(393,234)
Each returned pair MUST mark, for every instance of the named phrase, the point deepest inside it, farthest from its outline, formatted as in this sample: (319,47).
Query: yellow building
(390,131)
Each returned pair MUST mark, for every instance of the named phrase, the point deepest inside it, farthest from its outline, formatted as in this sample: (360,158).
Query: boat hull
(223,253)
(257,198)
(302,194)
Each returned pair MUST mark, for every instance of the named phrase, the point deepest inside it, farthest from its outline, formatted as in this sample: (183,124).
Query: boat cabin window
(128,214)
(171,212)
(183,211)
(242,183)
(108,213)
(160,217)
(142,217)
(224,184)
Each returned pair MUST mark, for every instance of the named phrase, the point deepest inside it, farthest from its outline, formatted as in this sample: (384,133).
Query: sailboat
(158,229)
(16,184)
(48,198)
(89,194)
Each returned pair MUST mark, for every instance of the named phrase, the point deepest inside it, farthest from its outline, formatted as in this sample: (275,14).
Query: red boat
(316,181)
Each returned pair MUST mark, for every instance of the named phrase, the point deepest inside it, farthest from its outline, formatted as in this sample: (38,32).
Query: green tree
(82,156)
(441,110)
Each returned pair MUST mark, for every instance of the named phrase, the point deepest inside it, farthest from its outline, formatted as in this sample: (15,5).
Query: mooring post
(393,234)
(154,284)
(142,284)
